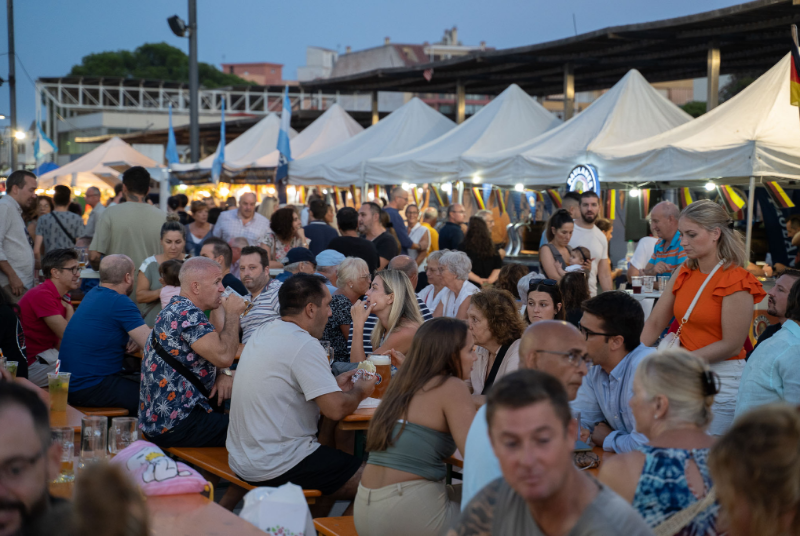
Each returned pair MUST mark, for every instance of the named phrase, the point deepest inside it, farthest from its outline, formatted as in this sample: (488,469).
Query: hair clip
(711,383)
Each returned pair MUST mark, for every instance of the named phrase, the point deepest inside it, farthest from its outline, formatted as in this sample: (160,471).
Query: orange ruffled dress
(705,323)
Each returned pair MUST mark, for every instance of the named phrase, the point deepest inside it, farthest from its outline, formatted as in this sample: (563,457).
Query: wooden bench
(103,412)
(336,526)
(215,461)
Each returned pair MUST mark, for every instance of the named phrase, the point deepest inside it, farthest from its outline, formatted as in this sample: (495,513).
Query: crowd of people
(513,369)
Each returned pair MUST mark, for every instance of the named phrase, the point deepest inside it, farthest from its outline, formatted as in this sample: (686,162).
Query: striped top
(671,254)
(372,321)
(265,309)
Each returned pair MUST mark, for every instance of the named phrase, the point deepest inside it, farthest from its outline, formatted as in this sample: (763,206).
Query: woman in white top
(418,233)
(432,294)
(496,327)
(455,267)
(391,298)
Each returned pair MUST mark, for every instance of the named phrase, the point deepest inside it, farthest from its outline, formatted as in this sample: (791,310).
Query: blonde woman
(391,298)
(455,267)
(353,280)
(672,396)
(756,467)
(718,324)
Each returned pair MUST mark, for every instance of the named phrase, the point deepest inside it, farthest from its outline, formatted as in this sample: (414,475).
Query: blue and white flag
(172,146)
(42,145)
(284,145)
(216,167)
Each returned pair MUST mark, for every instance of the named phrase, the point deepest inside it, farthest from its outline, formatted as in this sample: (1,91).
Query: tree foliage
(153,61)
(736,84)
(694,108)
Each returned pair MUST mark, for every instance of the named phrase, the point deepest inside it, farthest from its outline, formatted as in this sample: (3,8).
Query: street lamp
(181,29)
(19,135)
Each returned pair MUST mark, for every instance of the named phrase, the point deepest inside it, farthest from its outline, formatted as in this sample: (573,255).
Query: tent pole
(750,197)
(163,190)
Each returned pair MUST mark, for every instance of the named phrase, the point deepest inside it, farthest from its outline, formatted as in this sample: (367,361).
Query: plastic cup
(94,440)
(65,436)
(124,431)
(58,384)
(636,282)
(383,366)
(648,283)
(11,366)
(662,281)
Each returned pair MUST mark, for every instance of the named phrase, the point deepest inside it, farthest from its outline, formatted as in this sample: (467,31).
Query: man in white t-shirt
(586,234)
(641,256)
(282,384)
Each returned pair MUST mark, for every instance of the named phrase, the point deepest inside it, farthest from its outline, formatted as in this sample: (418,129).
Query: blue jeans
(115,391)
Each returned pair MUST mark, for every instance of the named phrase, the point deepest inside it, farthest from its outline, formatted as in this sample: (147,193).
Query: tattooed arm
(478,518)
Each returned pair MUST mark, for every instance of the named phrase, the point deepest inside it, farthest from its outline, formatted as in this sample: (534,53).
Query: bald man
(551,346)
(185,367)
(96,339)
(668,253)
(244,221)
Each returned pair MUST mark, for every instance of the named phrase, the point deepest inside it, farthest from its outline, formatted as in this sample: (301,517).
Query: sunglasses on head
(546,282)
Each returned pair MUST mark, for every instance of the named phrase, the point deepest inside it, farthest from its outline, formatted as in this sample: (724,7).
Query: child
(577,257)
(171,285)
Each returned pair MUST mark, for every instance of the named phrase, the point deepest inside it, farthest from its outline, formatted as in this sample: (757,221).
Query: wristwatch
(226,371)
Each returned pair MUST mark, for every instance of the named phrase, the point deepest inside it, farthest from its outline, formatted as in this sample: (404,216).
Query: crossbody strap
(179,367)
(498,361)
(72,238)
(699,292)
(677,521)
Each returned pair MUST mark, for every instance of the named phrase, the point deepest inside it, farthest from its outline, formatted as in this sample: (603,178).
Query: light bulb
(78,193)
(710,186)
(405,186)
(635,192)
(182,187)
(224,192)
(19,135)
(447,187)
(476,179)
(519,187)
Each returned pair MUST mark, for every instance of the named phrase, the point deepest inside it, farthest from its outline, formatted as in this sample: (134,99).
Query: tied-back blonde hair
(404,307)
(686,381)
(710,216)
(758,460)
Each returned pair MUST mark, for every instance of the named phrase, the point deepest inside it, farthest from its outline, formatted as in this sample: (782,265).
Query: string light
(710,186)
(519,187)
(635,192)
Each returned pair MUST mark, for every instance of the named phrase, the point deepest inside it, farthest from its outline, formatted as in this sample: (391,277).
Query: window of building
(446,108)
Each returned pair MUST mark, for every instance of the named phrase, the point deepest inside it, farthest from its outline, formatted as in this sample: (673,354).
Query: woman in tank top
(424,416)
(554,256)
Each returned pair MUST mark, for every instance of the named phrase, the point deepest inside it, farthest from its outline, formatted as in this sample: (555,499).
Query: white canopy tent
(258,140)
(332,128)
(410,126)
(755,134)
(629,111)
(92,169)
(510,119)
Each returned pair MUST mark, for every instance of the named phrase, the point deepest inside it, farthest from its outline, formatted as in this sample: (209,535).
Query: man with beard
(262,292)
(586,234)
(776,305)
(29,460)
(103,328)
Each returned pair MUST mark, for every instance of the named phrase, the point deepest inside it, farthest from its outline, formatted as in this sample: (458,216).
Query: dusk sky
(53,35)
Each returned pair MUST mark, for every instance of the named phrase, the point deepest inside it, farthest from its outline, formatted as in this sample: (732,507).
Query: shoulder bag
(181,369)
(71,238)
(498,361)
(677,521)
(673,340)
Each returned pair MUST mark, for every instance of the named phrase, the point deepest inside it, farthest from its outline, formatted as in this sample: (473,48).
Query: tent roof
(510,119)
(756,133)
(413,124)
(631,110)
(91,169)
(330,129)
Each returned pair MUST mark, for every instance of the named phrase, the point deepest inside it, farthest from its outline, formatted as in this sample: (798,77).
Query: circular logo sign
(583,178)
(760,324)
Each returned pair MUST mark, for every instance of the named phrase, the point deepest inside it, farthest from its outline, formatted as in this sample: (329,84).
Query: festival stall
(510,119)
(410,126)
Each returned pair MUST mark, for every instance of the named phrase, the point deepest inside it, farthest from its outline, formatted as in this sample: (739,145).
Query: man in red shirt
(45,311)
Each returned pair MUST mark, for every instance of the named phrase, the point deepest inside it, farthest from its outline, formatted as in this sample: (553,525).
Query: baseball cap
(330,257)
(300,255)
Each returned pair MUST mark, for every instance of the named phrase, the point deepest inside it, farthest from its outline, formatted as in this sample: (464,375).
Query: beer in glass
(383,367)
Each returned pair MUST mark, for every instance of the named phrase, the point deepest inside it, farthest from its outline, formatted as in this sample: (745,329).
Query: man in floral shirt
(173,411)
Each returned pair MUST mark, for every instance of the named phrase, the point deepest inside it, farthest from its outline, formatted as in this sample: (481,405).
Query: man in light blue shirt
(772,373)
(550,346)
(611,324)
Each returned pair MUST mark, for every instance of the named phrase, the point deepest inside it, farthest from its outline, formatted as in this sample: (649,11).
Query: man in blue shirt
(399,200)
(451,235)
(96,337)
(551,346)
(319,231)
(611,324)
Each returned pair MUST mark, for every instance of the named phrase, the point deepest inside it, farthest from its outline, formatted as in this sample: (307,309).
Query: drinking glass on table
(58,385)
(123,432)
(636,283)
(83,257)
(94,440)
(647,283)
(11,366)
(65,436)
(663,279)
(326,345)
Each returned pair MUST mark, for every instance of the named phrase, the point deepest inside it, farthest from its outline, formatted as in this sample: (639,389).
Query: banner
(780,245)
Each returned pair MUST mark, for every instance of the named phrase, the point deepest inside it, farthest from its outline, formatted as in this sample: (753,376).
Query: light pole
(12,82)
(180,29)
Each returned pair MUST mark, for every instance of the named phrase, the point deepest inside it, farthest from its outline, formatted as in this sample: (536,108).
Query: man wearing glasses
(45,311)
(29,460)
(93,200)
(551,346)
(611,325)
(451,235)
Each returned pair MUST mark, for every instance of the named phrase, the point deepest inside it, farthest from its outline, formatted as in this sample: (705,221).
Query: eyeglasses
(546,282)
(75,269)
(574,357)
(14,470)
(586,332)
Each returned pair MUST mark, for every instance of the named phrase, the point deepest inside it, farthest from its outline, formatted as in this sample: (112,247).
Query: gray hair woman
(454,267)
(432,294)
(352,278)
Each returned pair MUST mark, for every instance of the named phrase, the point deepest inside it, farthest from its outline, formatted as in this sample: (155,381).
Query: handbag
(183,371)
(677,521)
(673,340)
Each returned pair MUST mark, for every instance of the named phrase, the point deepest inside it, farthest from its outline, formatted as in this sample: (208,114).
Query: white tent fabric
(755,134)
(258,140)
(510,119)
(333,127)
(91,169)
(631,110)
(410,126)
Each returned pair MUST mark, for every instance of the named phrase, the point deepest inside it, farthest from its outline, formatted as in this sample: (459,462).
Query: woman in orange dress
(720,322)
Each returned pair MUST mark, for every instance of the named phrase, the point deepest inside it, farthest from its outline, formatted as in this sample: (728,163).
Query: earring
(655,416)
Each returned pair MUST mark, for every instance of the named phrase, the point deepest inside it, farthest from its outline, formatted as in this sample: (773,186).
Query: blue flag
(172,146)
(284,145)
(42,145)
(216,167)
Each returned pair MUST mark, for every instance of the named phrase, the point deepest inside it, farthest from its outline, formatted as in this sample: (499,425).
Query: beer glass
(326,345)
(663,279)
(648,282)
(123,432)
(636,283)
(383,366)
(58,384)
(94,440)
(65,436)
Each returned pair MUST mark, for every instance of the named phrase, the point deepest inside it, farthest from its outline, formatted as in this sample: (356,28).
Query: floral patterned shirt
(277,248)
(165,397)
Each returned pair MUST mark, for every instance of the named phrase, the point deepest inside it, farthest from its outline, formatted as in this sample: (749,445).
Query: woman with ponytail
(719,322)
(668,481)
